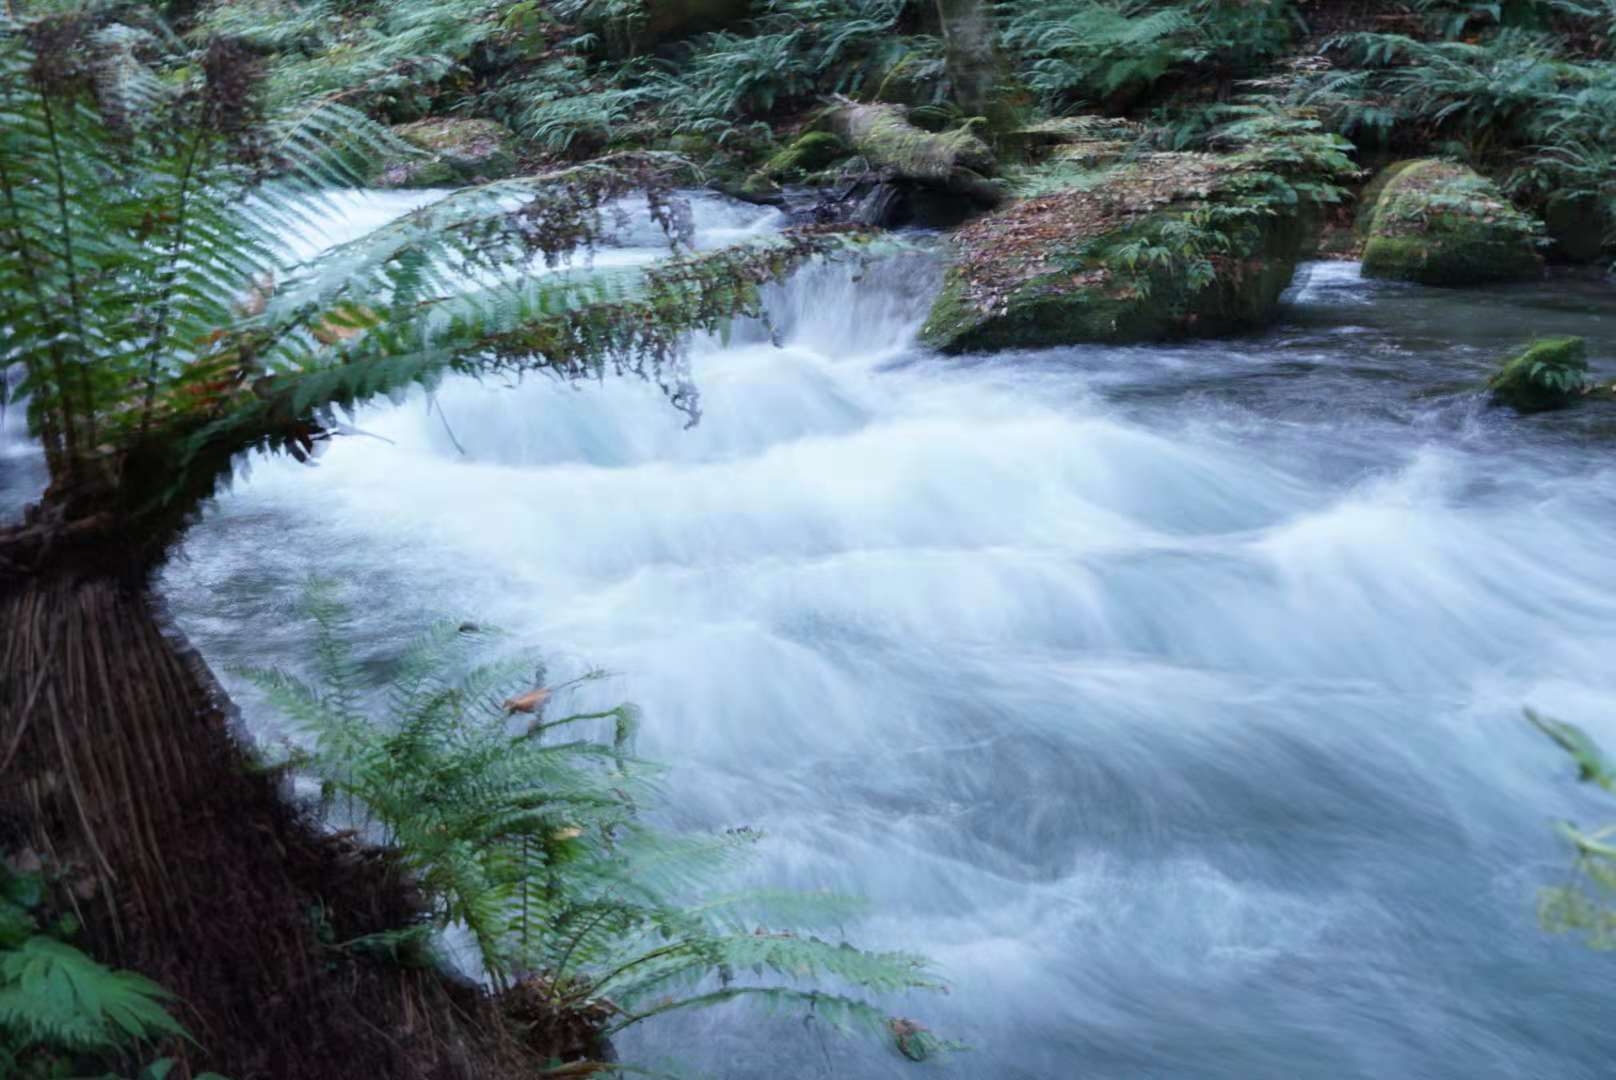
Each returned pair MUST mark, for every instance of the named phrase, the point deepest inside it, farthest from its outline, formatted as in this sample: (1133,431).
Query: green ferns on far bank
(1086,51)
(530,835)
(720,87)
(1514,103)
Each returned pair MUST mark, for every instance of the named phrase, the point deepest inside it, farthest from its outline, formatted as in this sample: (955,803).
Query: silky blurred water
(1169,696)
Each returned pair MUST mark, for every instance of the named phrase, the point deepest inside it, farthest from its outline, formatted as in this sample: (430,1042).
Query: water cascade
(1169,696)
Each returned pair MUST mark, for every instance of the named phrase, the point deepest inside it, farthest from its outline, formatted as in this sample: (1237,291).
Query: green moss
(1439,223)
(1187,259)
(1370,195)
(809,153)
(1545,375)
(455,151)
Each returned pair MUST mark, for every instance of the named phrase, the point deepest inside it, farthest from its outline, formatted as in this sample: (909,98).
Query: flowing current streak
(1169,696)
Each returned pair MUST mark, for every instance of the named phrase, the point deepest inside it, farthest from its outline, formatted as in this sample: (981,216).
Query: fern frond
(52,994)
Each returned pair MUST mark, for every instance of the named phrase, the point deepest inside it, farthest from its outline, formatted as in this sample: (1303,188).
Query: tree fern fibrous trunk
(120,776)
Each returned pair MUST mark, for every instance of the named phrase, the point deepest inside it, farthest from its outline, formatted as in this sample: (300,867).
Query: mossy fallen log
(954,161)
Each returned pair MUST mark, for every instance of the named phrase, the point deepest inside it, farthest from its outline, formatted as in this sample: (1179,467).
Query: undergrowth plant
(718,86)
(1510,100)
(1586,904)
(1072,52)
(61,1012)
(530,833)
(163,325)
(396,60)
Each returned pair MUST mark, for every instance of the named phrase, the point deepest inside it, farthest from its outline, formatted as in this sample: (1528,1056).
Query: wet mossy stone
(455,151)
(1104,262)
(1547,374)
(1437,222)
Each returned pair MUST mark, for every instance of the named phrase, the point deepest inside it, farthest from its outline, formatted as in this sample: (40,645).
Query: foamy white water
(1169,696)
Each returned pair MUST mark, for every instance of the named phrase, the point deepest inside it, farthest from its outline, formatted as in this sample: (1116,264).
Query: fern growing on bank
(59,1009)
(720,85)
(1510,100)
(394,59)
(530,834)
(163,326)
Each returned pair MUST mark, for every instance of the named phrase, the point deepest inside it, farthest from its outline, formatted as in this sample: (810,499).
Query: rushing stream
(1170,697)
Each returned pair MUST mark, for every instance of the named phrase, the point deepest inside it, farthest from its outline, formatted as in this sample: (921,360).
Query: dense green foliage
(163,323)
(60,1011)
(534,838)
(1075,52)
(1532,105)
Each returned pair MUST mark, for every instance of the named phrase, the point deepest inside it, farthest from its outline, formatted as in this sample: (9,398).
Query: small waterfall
(1169,696)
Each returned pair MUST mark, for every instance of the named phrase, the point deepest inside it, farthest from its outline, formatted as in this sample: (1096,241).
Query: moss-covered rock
(455,151)
(1547,374)
(1440,223)
(1169,245)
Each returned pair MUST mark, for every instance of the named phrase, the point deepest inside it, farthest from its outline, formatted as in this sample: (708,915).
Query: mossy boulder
(1547,374)
(1438,222)
(455,151)
(1168,245)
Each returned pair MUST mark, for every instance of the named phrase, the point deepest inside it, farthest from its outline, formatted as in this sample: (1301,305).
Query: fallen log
(954,161)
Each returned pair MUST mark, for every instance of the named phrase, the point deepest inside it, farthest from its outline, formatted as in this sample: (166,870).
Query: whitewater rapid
(1168,696)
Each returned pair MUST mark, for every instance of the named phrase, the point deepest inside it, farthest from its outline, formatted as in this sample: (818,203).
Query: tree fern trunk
(119,772)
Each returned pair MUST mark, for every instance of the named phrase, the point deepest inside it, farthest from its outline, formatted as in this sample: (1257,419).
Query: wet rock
(1441,223)
(1547,374)
(1164,246)
(456,151)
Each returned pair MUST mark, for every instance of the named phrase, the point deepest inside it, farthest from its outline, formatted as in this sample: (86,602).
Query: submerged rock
(1441,223)
(457,151)
(1545,375)
(1164,246)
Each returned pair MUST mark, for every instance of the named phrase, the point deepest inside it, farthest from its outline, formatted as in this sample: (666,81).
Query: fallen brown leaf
(530,702)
